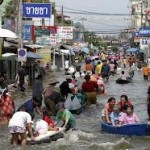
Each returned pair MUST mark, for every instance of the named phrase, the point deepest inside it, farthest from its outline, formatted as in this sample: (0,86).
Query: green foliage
(11,8)
(114,48)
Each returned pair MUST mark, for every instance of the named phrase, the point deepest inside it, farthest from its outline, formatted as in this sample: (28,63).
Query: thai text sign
(144,31)
(37,10)
(145,41)
(65,32)
(27,32)
(53,40)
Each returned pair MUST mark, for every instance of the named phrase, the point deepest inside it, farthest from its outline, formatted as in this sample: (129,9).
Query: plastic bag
(72,103)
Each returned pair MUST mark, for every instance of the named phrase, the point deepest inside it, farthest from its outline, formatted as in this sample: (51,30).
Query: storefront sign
(45,53)
(65,32)
(145,41)
(144,31)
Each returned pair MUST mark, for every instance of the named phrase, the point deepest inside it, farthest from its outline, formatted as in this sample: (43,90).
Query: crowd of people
(80,88)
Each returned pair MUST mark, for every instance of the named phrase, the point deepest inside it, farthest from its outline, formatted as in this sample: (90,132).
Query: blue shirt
(29,105)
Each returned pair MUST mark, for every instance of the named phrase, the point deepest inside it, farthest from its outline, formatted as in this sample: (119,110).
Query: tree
(1,1)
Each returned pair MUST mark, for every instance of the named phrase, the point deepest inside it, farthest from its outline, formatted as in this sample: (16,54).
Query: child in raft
(114,116)
(42,126)
(129,117)
(108,109)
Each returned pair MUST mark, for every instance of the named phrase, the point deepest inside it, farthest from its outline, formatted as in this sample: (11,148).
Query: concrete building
(139,12)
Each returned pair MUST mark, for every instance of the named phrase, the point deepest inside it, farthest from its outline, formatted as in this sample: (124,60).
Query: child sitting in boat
(108,109)
(123,76)
(123,103)
(66,116)
(114,116)
(129,117)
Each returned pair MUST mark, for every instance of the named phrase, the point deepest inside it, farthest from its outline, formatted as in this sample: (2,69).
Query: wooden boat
(131,129)
(121,81)
(46,138)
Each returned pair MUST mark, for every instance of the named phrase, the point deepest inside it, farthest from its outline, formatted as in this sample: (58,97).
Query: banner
(36,10)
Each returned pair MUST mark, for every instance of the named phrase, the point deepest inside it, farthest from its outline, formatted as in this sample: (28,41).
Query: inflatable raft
(46,138)
(121,81)
(131,129)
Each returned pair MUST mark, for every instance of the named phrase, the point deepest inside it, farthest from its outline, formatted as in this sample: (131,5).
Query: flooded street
(89,135)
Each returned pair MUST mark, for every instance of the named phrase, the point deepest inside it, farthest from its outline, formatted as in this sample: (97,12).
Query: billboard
(65,32)
(37,10)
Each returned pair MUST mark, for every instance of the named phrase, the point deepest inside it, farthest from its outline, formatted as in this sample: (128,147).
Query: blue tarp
(132,50)
(33,55)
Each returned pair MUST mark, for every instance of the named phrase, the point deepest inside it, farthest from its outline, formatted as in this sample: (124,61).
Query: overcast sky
(100,6)
(109,6)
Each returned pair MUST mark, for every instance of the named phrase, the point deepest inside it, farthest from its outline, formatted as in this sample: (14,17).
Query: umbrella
(131,50)
(7,34)
(93,57)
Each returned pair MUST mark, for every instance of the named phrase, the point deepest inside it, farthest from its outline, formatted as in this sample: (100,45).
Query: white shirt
(67,64)
(41,126)
(20,119)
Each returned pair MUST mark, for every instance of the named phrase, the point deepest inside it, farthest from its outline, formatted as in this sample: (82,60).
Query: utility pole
(141,13)
(43,21)
(62,15)
(20,24)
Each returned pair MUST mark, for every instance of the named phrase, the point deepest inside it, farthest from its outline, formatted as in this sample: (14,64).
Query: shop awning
(33,55)
(8,56)
(7,34)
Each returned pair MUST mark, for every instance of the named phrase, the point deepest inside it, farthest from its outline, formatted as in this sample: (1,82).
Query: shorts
(16,129)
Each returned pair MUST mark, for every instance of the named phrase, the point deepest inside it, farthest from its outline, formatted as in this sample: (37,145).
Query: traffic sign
(22,55)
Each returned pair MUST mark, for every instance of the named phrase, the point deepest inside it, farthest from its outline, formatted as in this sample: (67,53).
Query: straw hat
(53,81)
(89,73)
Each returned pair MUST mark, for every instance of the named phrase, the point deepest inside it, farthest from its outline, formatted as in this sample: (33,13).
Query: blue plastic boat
(134,129)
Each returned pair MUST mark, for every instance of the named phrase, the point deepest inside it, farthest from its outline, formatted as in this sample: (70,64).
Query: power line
(76,11)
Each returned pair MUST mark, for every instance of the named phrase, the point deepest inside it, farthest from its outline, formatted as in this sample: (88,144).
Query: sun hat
(89,73)
(53,81)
